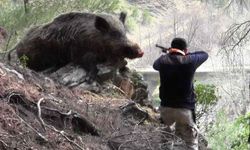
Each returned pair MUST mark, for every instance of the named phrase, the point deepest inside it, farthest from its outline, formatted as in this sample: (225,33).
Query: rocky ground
(39,112)
(63,110)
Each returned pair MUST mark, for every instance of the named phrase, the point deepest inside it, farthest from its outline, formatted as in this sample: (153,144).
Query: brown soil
(37,113)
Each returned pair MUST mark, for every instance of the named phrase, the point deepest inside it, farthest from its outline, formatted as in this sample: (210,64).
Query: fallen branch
(133,106)
(119,89)
(2,73)
(53,128)
(78,122)
(130,104)
(40,114)
(38,133)
(19,75)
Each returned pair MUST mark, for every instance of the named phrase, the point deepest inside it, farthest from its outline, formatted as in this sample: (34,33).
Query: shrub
(24,60)
(205,94)
(206,98)
(227,134)
(14,18)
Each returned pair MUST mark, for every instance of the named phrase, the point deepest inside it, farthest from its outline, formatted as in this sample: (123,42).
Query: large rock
(133,85)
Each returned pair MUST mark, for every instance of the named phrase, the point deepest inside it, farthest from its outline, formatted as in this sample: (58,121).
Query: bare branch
(235,36)
(241,39)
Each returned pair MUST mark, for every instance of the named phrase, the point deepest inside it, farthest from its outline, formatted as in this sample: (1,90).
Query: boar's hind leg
(89,62)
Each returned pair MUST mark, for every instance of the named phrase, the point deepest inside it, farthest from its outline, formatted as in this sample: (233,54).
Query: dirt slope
(38,113)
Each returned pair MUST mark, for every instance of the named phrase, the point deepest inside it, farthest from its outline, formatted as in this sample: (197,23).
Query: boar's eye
(116,34)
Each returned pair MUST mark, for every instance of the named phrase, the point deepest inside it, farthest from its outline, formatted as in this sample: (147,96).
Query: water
(152,78)
(232,88)
(206,24)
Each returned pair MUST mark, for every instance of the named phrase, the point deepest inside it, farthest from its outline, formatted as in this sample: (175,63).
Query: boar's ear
(123,16)
(101,24)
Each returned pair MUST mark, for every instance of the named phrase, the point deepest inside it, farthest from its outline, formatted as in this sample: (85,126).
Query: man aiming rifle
(177,68)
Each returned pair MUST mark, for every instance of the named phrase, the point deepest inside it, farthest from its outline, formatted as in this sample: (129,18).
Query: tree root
(132,109)
(52,127)
(60,120)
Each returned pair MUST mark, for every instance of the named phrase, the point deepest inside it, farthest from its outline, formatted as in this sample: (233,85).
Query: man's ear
(186,51)
(123,16)
(101,24)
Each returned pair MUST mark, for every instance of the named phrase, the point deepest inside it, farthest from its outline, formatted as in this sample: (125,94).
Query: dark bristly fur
(74,37)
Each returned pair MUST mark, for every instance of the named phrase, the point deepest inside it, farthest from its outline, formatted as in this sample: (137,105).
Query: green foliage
(206,98)
(156,99)
(14,18)
(226,134)
(136,78)
(206,94)
(138,16)
(24,60)
(147,17)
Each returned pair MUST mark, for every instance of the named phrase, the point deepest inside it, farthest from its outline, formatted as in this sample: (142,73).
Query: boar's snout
(141,53)
(133,51)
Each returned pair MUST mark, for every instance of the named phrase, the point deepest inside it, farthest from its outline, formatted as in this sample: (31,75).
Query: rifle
(163,49)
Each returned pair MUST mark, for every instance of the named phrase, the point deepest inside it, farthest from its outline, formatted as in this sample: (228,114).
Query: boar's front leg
(89,63)
(119,63)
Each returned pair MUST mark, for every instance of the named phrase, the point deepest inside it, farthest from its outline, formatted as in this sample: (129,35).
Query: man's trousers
(185,127)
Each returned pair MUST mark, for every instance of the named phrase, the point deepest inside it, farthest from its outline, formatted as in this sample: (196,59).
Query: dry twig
(39,113)
(53,128)
(38,133)
(2,73)
(235,35)
(128,141)
(19,75)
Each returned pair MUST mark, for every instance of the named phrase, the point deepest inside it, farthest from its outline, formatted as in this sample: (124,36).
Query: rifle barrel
(164,49)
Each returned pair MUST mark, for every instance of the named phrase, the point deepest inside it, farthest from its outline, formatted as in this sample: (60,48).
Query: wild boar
(84,39)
